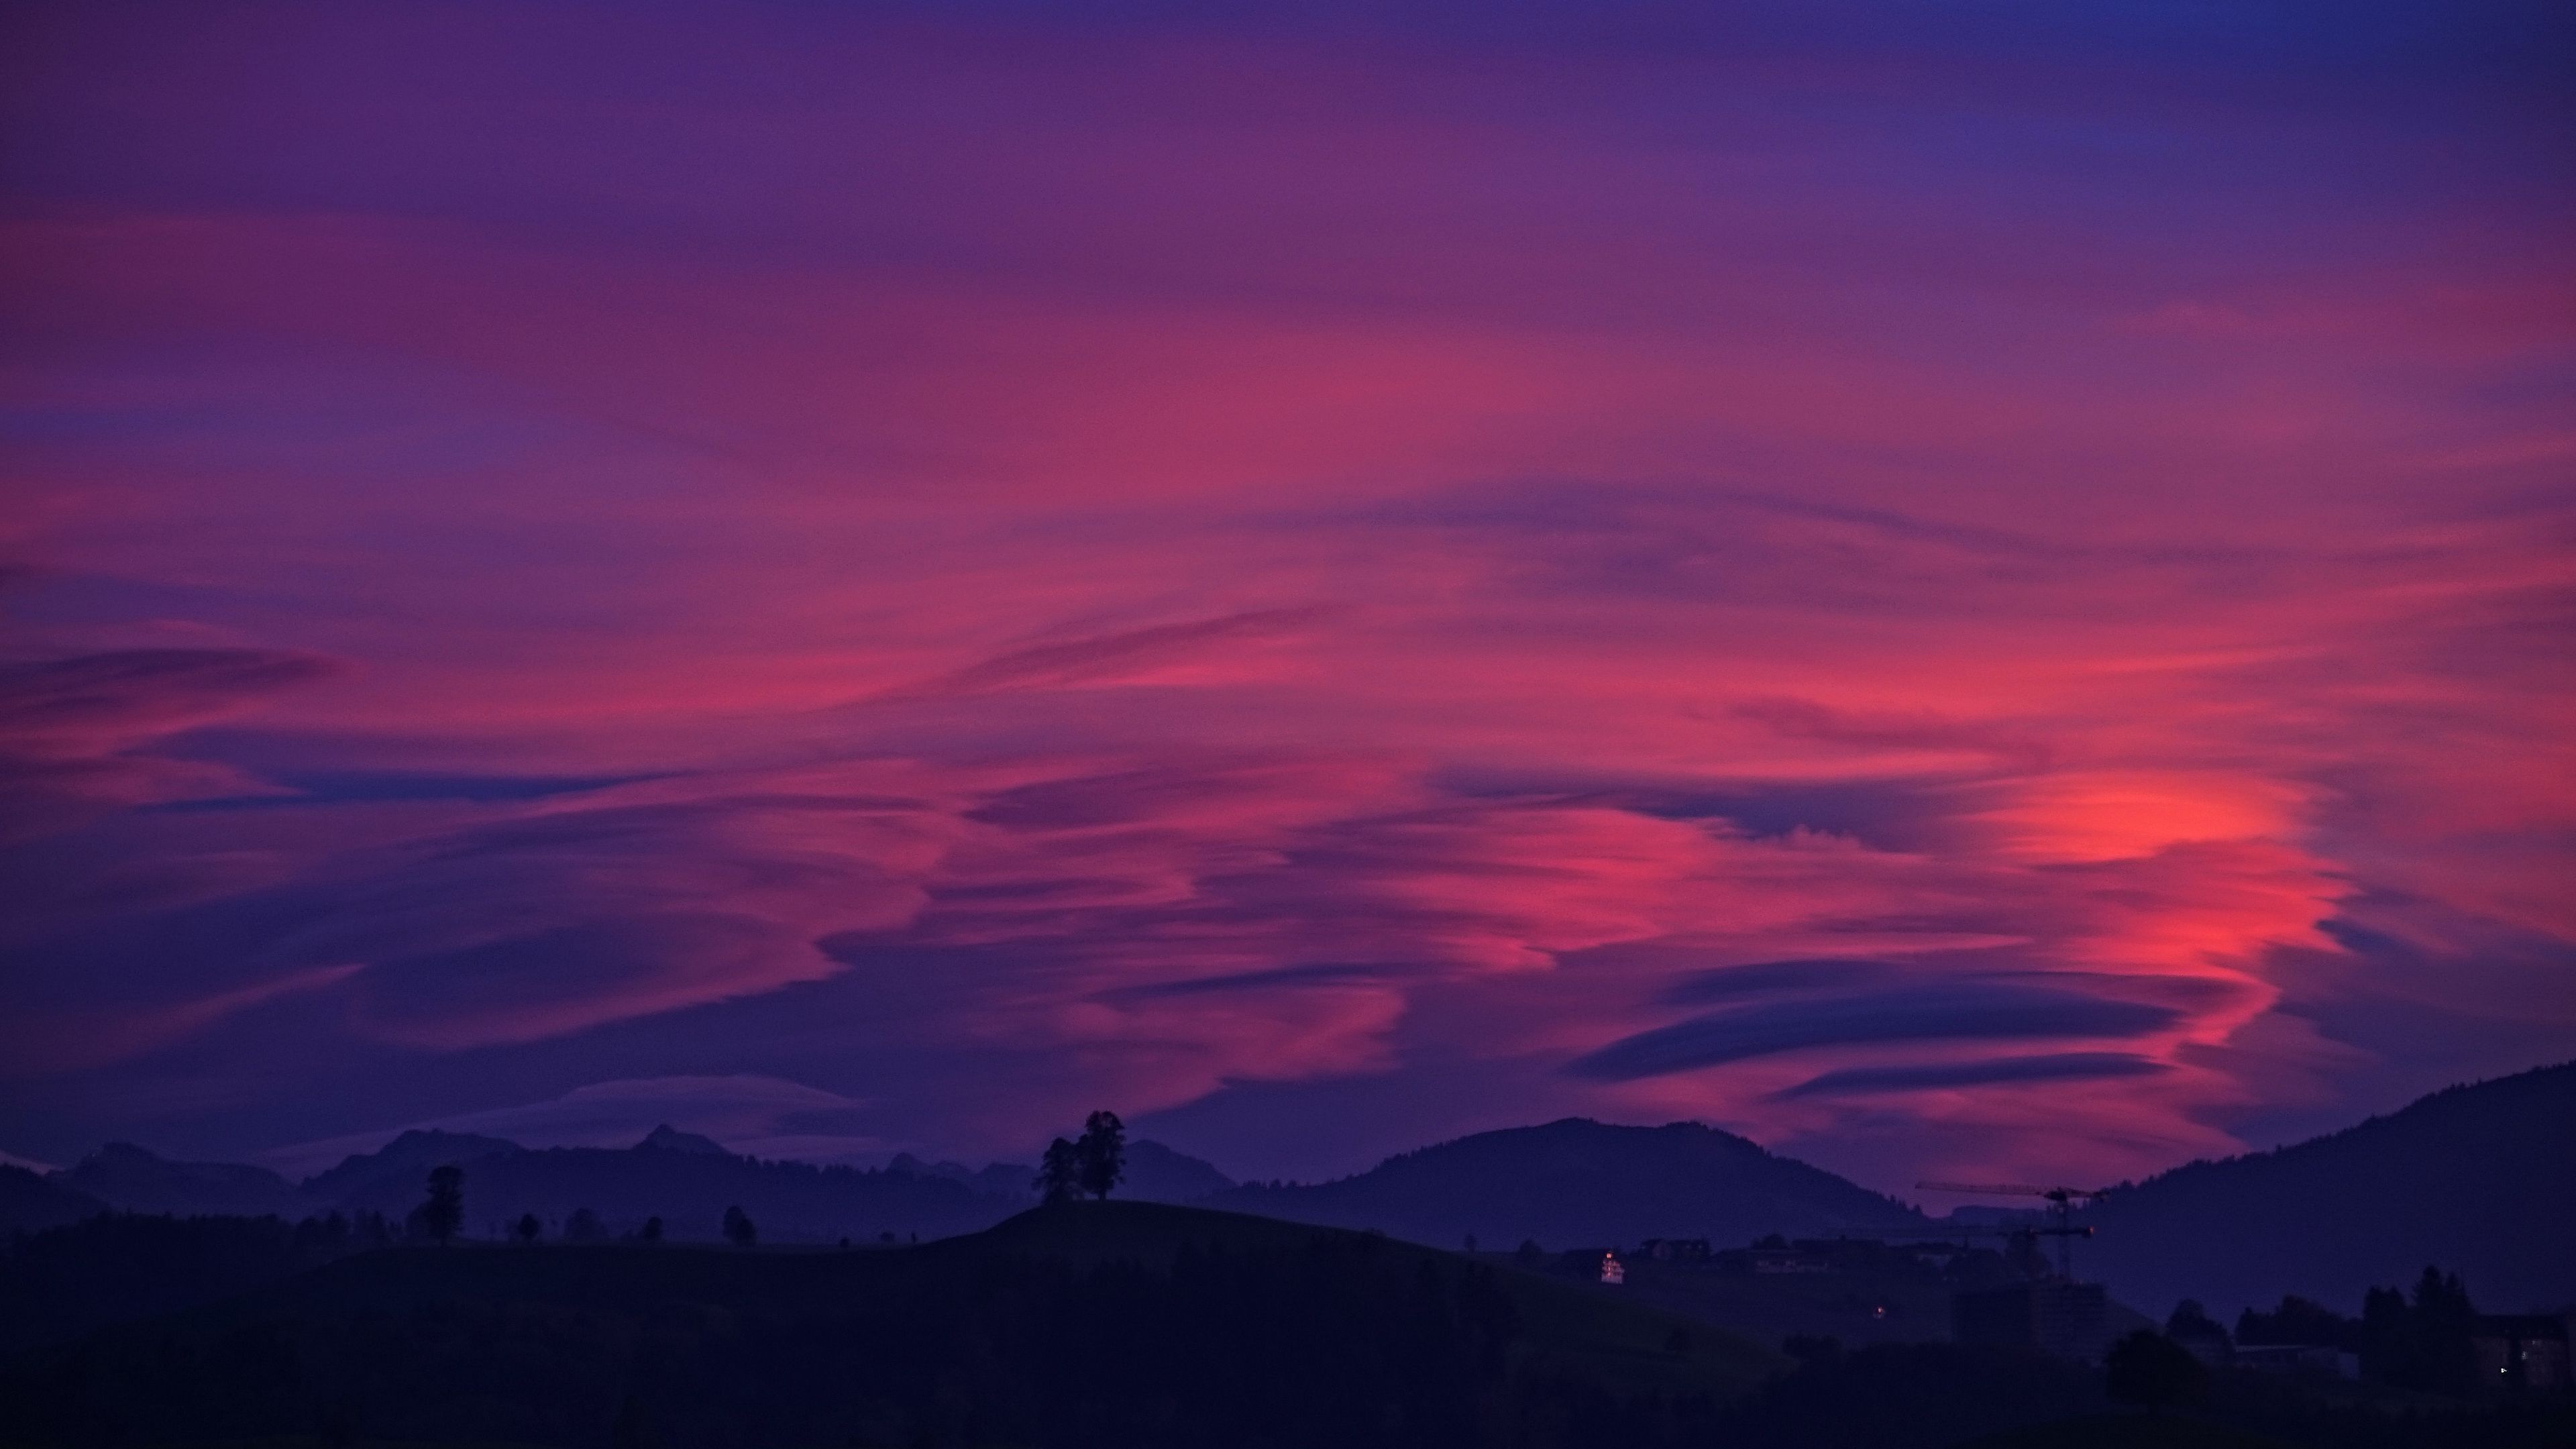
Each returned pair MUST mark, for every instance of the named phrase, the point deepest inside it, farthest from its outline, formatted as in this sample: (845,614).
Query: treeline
(2419,1341)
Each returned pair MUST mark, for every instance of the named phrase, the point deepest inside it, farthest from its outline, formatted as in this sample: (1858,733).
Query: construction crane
(2021,1242)
(2062,1202)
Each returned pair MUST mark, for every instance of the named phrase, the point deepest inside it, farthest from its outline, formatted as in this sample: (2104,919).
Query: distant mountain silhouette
(1155,1173)
(2477,1179)
(404,1162)
(688,1181)
(31,1200)
(685,1179)
(689,1189)
(1580,1183)
(1007,1181)
(667,1138)
(130,1179)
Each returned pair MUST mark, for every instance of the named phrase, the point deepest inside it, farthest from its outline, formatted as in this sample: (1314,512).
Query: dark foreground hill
(2476,1179)
(60,1283)
(1580,1183)
(1084,1325)
(1094,1324)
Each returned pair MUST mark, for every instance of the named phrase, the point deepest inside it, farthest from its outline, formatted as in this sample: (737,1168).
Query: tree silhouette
(2425,1345)
(1060,1173)
(1102,1153)
(528,1228)
(444,1212)
(2148,1369)
(2299,1321)
(651,1232)
(738,1229)
(2189,1319)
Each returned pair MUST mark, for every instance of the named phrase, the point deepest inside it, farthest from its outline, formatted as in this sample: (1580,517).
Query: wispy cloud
(1832,578)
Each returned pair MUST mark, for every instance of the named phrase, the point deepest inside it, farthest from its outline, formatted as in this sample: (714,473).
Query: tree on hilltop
(1060,1172)
(1102,1153)
(443,1212)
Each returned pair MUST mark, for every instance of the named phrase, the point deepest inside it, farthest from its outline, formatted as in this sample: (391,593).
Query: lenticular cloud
(1249,574)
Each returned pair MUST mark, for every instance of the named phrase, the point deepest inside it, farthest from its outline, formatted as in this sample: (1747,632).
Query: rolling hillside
(686,1180)
(1580,1183)
(2476,1179)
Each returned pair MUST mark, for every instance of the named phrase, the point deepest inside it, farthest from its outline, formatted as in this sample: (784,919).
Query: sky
(1979,590)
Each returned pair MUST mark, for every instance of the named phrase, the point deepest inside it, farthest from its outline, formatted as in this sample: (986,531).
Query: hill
(2476,1179)
(404,1163)
(1580,1183)
(1107,1324)
(30,1201)
(685,1179)
(131,1179)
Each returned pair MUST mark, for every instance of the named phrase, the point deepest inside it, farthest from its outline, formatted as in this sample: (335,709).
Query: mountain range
(686,1180)
(2474,1179)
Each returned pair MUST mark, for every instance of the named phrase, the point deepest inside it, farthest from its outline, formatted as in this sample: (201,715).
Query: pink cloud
(1172,569)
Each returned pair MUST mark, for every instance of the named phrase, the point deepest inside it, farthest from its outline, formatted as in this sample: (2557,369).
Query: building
(2522,1350)
(1612,1270)
(1675,1250)
(2065,1320)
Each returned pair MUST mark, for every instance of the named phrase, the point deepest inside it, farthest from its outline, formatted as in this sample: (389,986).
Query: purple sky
(1982,588)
